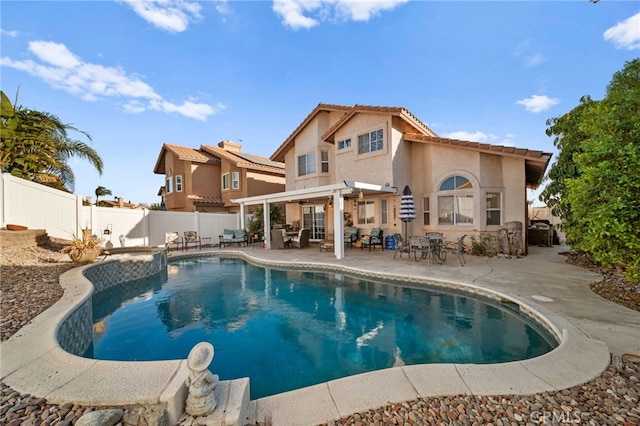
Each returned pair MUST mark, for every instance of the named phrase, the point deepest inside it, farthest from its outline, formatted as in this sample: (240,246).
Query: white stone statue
(201,400)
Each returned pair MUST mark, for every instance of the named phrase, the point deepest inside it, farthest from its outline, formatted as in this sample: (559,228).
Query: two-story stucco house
(351,163)
(206,179)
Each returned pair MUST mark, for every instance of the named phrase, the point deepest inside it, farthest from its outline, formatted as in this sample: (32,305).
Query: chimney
(230,146)
(120,202)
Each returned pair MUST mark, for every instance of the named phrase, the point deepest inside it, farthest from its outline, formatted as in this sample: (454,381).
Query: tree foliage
(101,191)
(594,183)
(36,146)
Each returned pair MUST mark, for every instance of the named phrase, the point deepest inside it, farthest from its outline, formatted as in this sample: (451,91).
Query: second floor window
(178,183)
(235,180)
(307,164)
(225,181)
(169,185)
(344,144)
(324,161)
(370,142)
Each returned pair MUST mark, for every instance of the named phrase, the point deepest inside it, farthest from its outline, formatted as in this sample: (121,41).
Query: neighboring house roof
(279,153)
(210,201)
(536,162)
(116,204)
(247,161)
(407,121)
(185,154)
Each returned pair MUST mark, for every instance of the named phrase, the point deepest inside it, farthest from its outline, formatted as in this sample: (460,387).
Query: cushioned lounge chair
(374,238)
(302,239)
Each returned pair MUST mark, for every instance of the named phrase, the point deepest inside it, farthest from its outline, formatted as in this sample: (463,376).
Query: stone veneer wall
(76,331)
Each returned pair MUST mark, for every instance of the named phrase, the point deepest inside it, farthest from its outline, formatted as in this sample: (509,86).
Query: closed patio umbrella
(407,208)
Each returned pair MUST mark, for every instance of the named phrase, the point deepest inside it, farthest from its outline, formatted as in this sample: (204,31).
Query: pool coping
(33,362)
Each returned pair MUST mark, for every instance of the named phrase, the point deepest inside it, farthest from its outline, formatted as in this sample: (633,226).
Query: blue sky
(137,74)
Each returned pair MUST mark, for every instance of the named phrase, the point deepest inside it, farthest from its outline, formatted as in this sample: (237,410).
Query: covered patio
(337,193)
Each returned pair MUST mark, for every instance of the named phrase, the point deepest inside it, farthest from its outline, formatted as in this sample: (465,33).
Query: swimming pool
(286,329)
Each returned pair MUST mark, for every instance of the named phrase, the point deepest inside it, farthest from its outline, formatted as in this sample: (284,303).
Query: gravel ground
(29,285)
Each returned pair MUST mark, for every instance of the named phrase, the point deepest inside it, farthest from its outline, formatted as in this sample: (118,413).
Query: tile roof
(199,199)
(409,120)
(183,153)
(536,162)
(247,161)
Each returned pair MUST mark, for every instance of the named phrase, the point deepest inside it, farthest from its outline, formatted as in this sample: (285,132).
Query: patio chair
(172,239)
(457,248)
(191,237)
(419,246)
(279,240)
(351,234)
(372,239)
(401,246)
(302,239)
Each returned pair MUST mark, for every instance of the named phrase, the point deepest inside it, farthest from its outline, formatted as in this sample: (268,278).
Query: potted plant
(83,250)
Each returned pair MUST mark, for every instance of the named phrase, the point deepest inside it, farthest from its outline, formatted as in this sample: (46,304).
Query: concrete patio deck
(589,328)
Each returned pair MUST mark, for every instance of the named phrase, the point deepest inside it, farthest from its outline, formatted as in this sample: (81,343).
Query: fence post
(79,214)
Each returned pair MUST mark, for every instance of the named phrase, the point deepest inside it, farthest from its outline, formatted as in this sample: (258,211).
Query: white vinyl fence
(62,215)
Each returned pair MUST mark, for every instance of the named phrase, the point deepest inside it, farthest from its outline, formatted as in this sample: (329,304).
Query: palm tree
(101,191)
(36,146)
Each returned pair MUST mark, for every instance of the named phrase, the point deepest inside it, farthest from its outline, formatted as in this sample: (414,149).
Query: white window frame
(426,212)
(461,199)
(179,183)
(169,186)
(324,161)
(369,209)
(496,195)
(235,180)
(307,164)
(225,181)
(371,142)
(344,144)
(384,211)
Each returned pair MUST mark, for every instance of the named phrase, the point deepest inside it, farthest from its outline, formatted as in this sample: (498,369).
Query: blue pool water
(286,329)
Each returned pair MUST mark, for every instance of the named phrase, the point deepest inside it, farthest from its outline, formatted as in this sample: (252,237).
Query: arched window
(455,201)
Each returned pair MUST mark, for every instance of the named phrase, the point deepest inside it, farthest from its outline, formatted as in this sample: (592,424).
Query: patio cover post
(338,225)
(266,215)
(242,213)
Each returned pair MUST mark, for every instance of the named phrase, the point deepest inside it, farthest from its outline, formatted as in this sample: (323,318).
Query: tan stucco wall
(375,167)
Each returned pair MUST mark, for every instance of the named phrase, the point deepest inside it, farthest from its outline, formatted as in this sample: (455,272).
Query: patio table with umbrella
(407,209)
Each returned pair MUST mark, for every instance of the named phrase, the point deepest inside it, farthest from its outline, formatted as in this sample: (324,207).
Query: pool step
(232,408)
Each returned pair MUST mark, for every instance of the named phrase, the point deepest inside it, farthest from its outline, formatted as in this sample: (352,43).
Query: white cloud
(538,103)
(169,15)
(463,135)
(626,34)
(64,70)
(9,33)
(481,137)
(296,13)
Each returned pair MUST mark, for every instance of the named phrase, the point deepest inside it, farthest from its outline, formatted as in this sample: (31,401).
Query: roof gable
(183,153)
(279,153)
(247,161)
(403,119)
